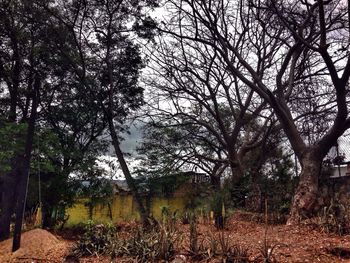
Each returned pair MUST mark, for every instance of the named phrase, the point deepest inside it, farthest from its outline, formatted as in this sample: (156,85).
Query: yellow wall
(123,209)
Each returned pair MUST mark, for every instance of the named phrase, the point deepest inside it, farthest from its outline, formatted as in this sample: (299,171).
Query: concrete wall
(123,209)
(341,170)
(336,188)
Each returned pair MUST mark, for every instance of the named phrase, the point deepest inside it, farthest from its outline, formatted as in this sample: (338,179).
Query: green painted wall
(123,208)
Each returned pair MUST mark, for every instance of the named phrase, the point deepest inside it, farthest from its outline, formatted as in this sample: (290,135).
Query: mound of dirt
(37,245)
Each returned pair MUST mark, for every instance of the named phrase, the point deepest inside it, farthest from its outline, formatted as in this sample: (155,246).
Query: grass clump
(96,240)
(148,245)
(335,218)
(144,245)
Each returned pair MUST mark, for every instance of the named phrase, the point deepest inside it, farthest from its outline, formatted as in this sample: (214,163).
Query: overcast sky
(133,139)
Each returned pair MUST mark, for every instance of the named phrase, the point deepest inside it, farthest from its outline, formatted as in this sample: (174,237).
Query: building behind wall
(335,183)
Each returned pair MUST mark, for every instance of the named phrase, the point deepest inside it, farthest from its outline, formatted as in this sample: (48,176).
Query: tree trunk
(306,194)
(7,205)
(23,172)
(129,179)
(215,182)
(46,217)
(9,181)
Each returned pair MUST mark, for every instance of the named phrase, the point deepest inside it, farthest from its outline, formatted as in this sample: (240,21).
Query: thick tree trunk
(23,172)
(9,181)
(306,194)
(215,182)
(7,205)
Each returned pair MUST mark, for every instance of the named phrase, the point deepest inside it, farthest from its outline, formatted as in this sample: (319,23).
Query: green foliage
(54,158)
(169,218)
(97,189)
(95,185)
(12,136)
(217,205)
(216,202)
(276,182)
(158,243)
(97,240)
(279,187)
(162,185)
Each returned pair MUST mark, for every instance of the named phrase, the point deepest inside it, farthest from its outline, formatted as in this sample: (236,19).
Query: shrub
(169,218)
(219,246)
(147,246)
(217,206)
(236,254)
(335,218)
(97,240)
(231,253)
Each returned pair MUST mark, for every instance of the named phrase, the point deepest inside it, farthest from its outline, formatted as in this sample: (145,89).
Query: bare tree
(273,47)
(194,88)
(180,145)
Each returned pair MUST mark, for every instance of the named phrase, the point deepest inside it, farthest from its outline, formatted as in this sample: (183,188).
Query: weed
(213,246)
(218,207)
(224,243)
(334,218)
(147,246)
(231,253)
(169,218)
(267,249)
(236,254)
(97,240)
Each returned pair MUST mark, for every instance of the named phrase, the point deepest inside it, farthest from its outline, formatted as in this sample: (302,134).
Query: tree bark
(7,205)
(215,182)
(23,173)
(9,181)
(306,193)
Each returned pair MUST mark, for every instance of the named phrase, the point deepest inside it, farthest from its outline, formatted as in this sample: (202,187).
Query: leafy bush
(97,240)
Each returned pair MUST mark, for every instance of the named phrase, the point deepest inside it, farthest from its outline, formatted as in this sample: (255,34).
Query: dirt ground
(37,245)
(291,244)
